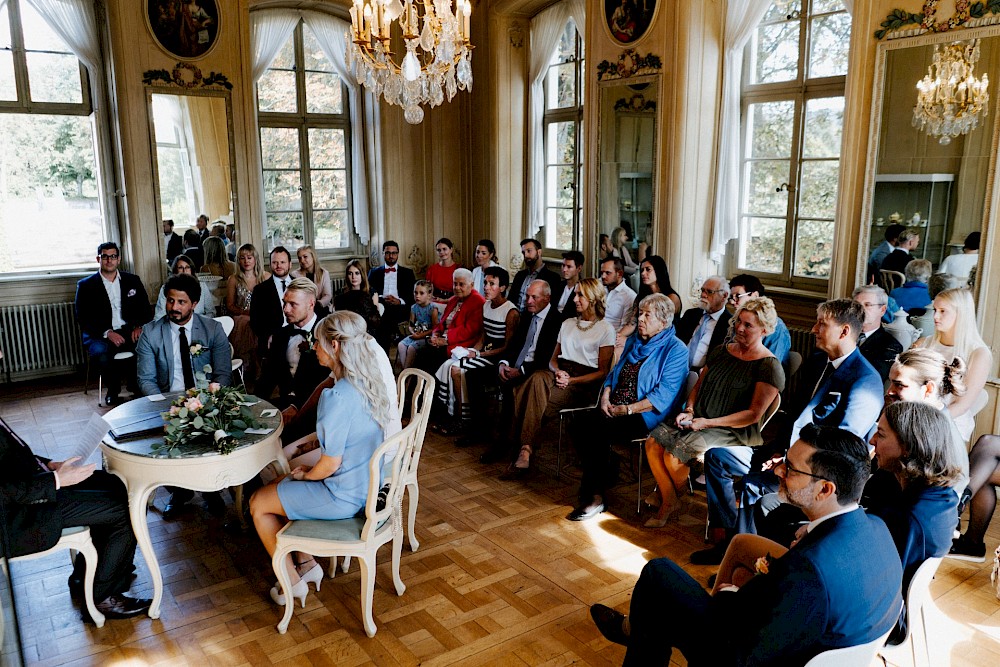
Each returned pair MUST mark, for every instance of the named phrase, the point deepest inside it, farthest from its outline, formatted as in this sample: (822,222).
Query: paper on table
(156,397)
(259,431)
(249,402)
(270,412)
(91,437)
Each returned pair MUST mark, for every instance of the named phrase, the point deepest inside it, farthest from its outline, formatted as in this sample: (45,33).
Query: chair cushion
(343,530)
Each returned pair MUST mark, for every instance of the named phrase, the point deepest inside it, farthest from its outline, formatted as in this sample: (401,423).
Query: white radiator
(39,340)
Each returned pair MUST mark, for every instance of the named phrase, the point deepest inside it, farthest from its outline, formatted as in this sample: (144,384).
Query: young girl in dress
(423,318)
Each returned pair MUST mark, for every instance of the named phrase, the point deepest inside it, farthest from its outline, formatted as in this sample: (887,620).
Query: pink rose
(174,410)
(214,387)
(192,404)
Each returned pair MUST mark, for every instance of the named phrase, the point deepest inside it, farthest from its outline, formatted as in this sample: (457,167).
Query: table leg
(137,500)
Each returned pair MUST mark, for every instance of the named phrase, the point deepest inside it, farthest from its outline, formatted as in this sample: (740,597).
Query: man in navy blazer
(266,315)
(394,285)
(160,352)
(111,306)
(838,586)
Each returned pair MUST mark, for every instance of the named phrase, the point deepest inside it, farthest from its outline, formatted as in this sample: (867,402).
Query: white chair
(357,536)
(76,538)
(420,411)
(227,326)
(918,597)
(852,656)
(121,356)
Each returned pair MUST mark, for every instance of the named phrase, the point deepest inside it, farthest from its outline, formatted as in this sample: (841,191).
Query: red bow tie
(390,269)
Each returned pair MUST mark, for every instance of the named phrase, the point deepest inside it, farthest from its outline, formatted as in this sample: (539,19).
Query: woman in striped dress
(499,321)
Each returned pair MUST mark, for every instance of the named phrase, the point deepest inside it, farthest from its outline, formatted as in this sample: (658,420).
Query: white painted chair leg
(347,564)
(90,571)
(368,594)
(285,584)
(413,497)
(397,552)
(331,568)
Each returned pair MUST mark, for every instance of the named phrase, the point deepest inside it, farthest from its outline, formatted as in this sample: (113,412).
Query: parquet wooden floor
(500,578)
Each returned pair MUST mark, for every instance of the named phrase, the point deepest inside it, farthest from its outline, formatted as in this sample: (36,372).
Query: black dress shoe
(493,455)
(585,513)
(176,505)
(712,555)
(111,399)
(609,622)
(214,503)
(122,606)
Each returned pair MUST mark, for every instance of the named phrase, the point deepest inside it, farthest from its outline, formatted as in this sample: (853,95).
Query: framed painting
(628,20)
(186,29)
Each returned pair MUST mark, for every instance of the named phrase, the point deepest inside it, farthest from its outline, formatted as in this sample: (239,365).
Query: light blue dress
(345,427)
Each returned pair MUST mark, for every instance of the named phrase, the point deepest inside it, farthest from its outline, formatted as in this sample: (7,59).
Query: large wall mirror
(626,194)
(942,190)
(193,156)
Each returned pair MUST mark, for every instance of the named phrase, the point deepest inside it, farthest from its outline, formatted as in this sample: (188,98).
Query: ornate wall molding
(185,75)
(516,35)
(967,14)
(630,64)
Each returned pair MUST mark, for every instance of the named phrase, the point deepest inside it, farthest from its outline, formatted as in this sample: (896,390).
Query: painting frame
(184,29)
(628,21)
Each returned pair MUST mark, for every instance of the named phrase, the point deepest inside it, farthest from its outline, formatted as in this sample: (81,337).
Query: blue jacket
(912,294)
(851,398)
(662,375)
(779,343)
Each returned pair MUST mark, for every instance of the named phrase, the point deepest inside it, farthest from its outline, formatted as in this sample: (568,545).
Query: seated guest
(291,365)
(500,319)
(440,274)
(231,247)
(182,264)
(984,474)
(913,293)
(216,261)
(461,324)
(654,278)
(191,245)
(956,334)
(534,269)
(643,389)
(806,603)
(42,497)
(266,306)
(882,251)
(738,383)
(961,265)
(572,265)
(529,350)
(604,248)
(356,297)
(906,243)
(877,345)
(353,417)
(619,241)
(171,240)
(111,307)
(310,268)
(201,227)
(423,319)
(485,257)
(394,285)
(239,293)
(938,283)
(579,363)
(704,329)
(620,295)
(745,286)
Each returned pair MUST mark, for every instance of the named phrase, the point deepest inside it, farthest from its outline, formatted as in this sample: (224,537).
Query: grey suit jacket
(156,358)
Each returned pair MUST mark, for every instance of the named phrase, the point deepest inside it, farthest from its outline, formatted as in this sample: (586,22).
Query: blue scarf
(639,350)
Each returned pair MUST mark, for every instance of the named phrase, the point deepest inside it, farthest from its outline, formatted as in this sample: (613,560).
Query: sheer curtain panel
(269,30)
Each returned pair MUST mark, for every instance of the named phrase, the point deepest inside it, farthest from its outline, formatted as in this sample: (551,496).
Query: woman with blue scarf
(644,388)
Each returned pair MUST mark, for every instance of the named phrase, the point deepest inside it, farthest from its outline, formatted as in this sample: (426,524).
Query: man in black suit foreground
(394,285)
(41,497)
(111,307)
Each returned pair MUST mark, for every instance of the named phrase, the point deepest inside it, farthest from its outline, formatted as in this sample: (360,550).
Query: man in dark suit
(901,256)
(291,365)
(171,242)
(394,284)
(810,598)
(529,350)
(266,305)
(534,269)
(192,248)
(705,328)
(201,225)
(877,345)
(41,497)
(111,307)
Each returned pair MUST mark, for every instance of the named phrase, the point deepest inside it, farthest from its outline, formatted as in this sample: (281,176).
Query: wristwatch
(628,408)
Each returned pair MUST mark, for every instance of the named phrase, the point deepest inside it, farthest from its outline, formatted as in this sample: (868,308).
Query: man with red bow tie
(394,285)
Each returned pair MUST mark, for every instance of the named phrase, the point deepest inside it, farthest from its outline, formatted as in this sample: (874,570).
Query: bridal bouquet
(213,415)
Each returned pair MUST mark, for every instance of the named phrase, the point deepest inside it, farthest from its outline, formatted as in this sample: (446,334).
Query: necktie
(862,338)
(186,361)
(696,340)
(529,342)
(284,286)
(827,372)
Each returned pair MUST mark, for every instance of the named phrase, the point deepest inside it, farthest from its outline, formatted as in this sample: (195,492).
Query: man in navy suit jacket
(394,285)
(266,315)
(839,585)
(111,307)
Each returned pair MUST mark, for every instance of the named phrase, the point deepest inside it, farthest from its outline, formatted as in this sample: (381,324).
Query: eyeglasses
(711,291)
(737,297)
(789,468)
(109,256)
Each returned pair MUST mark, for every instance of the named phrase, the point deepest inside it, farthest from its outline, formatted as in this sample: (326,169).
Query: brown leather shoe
(122,606)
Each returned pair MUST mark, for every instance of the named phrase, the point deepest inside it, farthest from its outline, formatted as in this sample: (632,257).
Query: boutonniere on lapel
(763,564)
(131,292)
(196,349)
(307,341)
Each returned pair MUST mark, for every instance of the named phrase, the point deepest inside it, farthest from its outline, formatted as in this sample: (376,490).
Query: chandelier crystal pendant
(438,58)
(950,99)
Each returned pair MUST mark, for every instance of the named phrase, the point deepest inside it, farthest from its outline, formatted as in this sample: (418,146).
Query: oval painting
(186,29)
(628,20)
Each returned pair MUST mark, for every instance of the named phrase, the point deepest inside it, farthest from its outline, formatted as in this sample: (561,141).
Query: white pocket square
(131,292)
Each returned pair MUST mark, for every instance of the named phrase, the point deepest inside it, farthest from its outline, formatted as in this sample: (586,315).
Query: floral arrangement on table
(208,414)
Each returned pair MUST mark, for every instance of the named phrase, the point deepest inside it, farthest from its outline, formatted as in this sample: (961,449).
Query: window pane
(323,93)
(8,88)
(286,56)
(326,148)
(560,85)
(560,186)
(770,129)
(826,6)
(566,51)
(54,77)
(284,229)
(764,244)
(818,189)
(814,248)
(49,176)
(4,27)
(331,229)
(776,52)
(559,228)
(780,9)
(38,36)
(315,60)
(823,127)
(763,179)
(279,147)
(282,190)
(276,91)
(329,188)
(560,144)
(831,36)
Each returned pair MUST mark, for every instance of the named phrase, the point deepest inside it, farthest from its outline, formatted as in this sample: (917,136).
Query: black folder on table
(137,426)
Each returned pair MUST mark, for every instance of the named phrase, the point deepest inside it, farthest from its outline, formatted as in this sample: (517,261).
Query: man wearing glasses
(745,286)
(705,328)
(111,307)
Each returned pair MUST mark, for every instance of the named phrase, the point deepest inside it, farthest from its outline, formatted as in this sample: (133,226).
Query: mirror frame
(654,225)
(154,159)
(875,131)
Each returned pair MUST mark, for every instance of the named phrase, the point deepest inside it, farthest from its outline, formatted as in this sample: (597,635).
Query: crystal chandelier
(950,99)
(438,60)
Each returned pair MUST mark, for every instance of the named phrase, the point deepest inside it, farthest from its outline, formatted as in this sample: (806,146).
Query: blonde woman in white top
(309,268)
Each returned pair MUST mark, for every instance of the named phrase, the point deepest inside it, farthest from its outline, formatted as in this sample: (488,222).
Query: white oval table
(143,469)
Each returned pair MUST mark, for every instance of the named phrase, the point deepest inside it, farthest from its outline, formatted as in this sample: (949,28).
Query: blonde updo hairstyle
(763,308)
(930,366)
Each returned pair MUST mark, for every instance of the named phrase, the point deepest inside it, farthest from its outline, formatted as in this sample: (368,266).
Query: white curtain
(742,17)
(269,31)
(546,29)
(331,34)
(75,23)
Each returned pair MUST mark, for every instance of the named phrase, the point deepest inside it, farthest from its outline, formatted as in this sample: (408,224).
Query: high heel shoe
(653,500)
(301,588)
(655,522)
